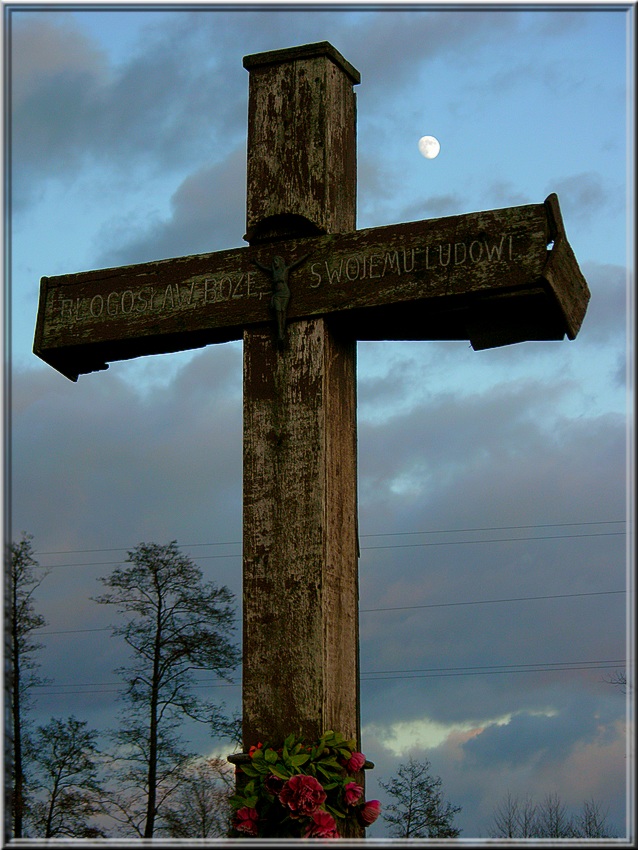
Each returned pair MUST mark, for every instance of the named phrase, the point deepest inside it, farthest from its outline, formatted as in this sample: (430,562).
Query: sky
(487,630)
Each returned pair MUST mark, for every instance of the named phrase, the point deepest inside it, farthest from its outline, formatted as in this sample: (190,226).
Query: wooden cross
(304,290)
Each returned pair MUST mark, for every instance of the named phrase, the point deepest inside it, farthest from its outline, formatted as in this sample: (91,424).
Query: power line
(497,540)
(497,528)
(492,601)
(571,665)
(76,631)
(382,675)
(369,548)
(377,534)
(407,607)
(489,672)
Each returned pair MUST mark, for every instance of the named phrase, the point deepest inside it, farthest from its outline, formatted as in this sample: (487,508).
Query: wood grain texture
(300,621)
(485,276)
(300,633)
(301,162)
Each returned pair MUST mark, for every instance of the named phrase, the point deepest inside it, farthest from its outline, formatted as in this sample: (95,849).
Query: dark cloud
(138,463)
(57,75)
(208,213)
(578,769)
(549,737)
(435,206)
(607,312)
(166,463)
(487,461)
(181,94)
(402,42)
(158,110)
(584,196)
(127,465)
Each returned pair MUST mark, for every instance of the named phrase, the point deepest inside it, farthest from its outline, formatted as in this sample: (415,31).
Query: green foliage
(264,801)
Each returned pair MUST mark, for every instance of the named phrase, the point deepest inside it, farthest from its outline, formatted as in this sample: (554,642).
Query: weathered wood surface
(300,623)
(435,279)
(301,141)
(300,542)
(300,480)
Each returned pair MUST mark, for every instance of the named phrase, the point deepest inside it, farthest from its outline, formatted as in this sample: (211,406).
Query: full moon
(429,147)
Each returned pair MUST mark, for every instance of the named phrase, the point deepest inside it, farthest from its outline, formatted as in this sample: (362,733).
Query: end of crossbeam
(562,272)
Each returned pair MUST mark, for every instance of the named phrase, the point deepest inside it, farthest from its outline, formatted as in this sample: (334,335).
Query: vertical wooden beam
(300,549)
(301,160)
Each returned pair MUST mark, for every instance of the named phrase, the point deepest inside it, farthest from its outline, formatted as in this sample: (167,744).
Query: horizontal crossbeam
(494,277)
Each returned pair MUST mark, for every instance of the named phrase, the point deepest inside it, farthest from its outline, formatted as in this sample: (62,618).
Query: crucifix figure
(279,272)
(494,277)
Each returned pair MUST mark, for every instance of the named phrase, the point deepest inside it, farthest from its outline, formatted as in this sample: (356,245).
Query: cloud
(583,196)
(607,312)
(546,736)
(489,460)
(46,50)
(57,75)
(158,110)
(173,99)
(138,462)
(402,737)
(404,42)
(570,741)
(207,213)
(435,206)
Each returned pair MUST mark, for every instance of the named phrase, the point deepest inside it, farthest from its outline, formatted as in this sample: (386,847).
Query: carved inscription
(203,291)
(193,293)
(437,278)
(370,266)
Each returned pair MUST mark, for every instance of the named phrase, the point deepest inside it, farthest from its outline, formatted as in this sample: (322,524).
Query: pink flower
(246,821)
(369,812)
(352,793)
(355,762)
(322,825)
(302,795)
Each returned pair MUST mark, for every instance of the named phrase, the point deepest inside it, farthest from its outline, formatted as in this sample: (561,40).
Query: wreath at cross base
(302,790)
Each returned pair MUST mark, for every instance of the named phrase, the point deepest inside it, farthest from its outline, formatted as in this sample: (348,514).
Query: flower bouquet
(302,790)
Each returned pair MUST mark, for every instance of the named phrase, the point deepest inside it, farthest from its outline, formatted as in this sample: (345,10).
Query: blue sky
(479,472)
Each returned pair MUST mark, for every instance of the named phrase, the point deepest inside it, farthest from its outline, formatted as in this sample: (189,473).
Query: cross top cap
(303,51)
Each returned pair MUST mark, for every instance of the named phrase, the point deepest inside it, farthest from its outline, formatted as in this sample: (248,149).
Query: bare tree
(513,819)
(619,679)
(65,758)
(23,577)
(552,819)
(527,818)
(176,625)
(591,822)
(548,819)
(419,811)
(201,807)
